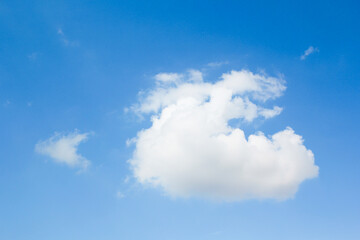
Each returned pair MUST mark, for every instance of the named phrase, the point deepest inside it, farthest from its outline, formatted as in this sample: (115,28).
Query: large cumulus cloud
(191,150)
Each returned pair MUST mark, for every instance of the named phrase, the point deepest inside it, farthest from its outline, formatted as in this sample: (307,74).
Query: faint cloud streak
(65,40)
(309,51)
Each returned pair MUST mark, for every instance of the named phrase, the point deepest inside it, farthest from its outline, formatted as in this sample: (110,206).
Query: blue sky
(72,67)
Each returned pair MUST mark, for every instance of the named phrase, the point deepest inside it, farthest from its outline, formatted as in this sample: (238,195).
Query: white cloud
(192,75)
(217,64)
(33,56)
(60,32)
(195,76)
(191,150)
(269,113)
(6,103)
(309,51)
(62,148)
(165,78)
(119,195)
(127,179)
(65,40)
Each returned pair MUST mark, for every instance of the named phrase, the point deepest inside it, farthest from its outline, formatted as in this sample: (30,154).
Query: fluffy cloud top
(191,150)
(63,149)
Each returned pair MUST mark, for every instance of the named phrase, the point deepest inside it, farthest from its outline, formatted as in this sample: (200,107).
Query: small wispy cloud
(60,32)
(6,103)
(216,233)
(65,40)
(33,56)
(119,195)
(217,64)
(127,179)
(62,148)
(309,51)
